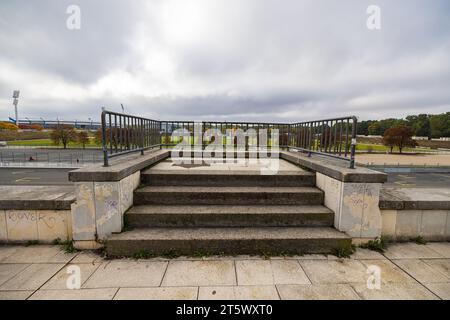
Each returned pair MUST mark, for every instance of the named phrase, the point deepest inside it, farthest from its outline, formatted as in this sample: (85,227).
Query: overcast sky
(254,60)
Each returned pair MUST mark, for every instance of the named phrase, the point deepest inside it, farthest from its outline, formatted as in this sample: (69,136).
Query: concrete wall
(355,205)
(403,225)
(31,225)
(100,206)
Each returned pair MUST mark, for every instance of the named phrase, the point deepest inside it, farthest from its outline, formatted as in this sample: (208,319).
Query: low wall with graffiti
(35,213)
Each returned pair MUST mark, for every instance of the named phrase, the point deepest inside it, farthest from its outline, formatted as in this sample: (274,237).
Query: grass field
(378,147)
(48,143)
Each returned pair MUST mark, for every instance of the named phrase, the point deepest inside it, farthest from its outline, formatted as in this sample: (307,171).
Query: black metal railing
(334,138)
(124,134)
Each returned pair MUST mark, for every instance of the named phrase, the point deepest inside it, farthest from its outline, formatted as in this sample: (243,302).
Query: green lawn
(48,143)
(379,147)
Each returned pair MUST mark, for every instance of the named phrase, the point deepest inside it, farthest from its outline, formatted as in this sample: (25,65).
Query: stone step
(188,241)
(221,178)
(228,216)
(229,195)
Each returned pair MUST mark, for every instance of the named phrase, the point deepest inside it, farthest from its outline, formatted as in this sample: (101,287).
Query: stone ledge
(334,168)
(36,197)
(415,199)
(119,168)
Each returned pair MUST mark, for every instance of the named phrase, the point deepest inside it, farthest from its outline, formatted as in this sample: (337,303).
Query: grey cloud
(252,60)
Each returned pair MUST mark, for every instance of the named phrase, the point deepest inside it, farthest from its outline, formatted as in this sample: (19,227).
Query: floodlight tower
(15,102)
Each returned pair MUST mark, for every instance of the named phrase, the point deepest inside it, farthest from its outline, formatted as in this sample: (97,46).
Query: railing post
(353,146)
(142,126)
(104,148)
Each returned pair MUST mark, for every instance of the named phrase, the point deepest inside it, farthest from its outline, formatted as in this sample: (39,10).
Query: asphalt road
(59,176)
(50,155)
(34,176)
(418,180)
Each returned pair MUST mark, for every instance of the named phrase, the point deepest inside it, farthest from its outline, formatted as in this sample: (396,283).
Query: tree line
(422,125)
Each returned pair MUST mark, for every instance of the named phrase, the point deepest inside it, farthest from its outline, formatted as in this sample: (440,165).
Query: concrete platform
(36,197)
(168,173)
(415,199)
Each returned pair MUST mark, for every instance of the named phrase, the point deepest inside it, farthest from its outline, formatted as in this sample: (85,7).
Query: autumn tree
(63,134)
(400,137)
(83,138)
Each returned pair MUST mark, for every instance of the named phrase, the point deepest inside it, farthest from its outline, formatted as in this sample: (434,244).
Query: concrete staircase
(229,212)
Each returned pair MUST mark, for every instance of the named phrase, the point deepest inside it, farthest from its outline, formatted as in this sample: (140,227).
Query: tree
(400,137)
(63,134)
(8,126)
(83,138)
(440,125)
(420,125)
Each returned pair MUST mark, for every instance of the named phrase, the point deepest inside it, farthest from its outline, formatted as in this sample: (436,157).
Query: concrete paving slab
(397,291)
(421,271)
(442,290)
(38,254)
(59,280)
(238,293)
(441,265)
(7,271)
(200,273)
(442,248)
(317,292)
(167,293)
(32,277)
(366,254)
(83,294)
(390,273)
(410,251)
(334,271)
(15,295)
(269,272)
(6,251)
(127,273)
(87,257)
(309,257)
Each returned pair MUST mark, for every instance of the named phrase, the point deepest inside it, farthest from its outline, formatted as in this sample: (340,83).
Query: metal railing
(334,138)
(123,134)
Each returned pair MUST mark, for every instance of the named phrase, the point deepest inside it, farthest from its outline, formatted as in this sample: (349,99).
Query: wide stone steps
(228,195)
(227,178)
(228,216)
(252,240)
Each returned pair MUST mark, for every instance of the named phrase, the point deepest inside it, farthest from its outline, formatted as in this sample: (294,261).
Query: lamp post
(16,94)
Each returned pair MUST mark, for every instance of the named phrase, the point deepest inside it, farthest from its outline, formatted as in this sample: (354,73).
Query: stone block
(433,224)
(107,208)
(408,224)
(371,216)
(127,187)
(389,221)
(3,230)
(83,212)
(53,225)
(22,225)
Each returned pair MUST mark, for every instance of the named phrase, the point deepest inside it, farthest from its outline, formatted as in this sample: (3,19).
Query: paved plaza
(408,271)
